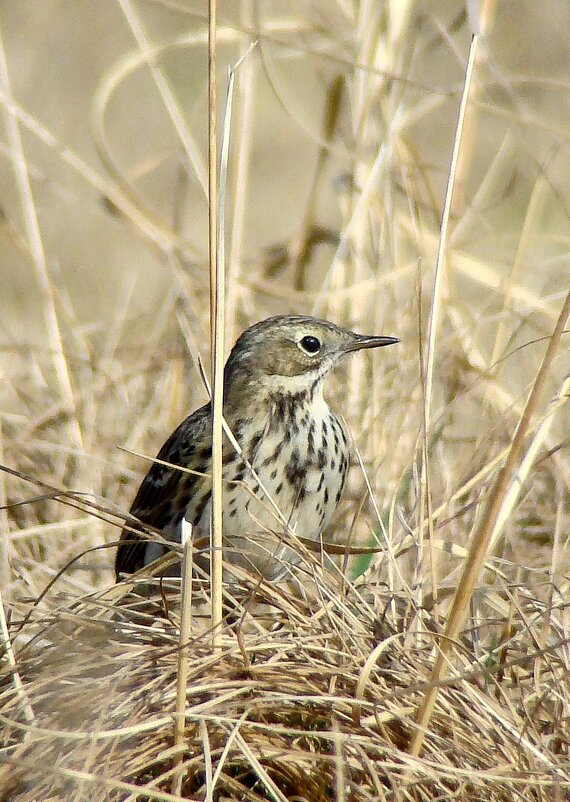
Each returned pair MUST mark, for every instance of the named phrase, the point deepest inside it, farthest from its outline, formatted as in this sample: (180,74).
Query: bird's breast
(289,476)
(297,463)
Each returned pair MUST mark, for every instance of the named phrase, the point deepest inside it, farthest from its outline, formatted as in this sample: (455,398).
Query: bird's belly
(292,484)
(294,487)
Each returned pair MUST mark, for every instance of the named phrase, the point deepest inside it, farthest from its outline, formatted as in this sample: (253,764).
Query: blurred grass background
(341,137)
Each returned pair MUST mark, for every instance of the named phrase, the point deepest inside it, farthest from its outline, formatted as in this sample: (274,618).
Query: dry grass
(344,124)
(318,705)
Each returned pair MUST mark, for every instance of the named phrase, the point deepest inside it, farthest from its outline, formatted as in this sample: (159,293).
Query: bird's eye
(311,345)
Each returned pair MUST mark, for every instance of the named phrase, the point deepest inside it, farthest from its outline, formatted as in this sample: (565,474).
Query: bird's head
(290,353)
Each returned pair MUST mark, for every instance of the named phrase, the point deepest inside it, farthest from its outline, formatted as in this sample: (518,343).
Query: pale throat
(311,382)
(294,401)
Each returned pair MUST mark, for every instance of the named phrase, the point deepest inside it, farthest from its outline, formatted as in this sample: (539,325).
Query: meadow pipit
(295,453)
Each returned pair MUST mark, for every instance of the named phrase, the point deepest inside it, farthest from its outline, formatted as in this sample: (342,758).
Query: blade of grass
(217,291)
(241,174)
(6,642)
(433,325)
(183,641)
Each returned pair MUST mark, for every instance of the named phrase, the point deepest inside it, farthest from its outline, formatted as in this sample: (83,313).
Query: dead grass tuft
(319,704)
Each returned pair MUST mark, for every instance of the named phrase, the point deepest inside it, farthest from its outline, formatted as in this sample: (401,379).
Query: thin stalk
(182,668)
(437,304)
(217,292)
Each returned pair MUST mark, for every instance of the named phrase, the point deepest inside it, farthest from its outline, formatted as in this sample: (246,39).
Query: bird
(288,472)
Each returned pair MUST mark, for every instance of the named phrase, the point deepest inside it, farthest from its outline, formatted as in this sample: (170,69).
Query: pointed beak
(364,341)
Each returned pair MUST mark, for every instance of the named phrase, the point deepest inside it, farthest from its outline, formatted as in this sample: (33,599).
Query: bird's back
(166,491)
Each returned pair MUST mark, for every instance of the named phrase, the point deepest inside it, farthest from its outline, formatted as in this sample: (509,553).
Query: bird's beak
(364,341)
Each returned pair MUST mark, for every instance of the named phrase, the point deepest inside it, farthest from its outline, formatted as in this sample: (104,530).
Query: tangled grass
(313,698)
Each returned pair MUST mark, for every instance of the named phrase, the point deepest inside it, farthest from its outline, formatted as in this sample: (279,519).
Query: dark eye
(311,345)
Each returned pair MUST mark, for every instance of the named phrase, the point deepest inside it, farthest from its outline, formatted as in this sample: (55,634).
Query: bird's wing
(165,492)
